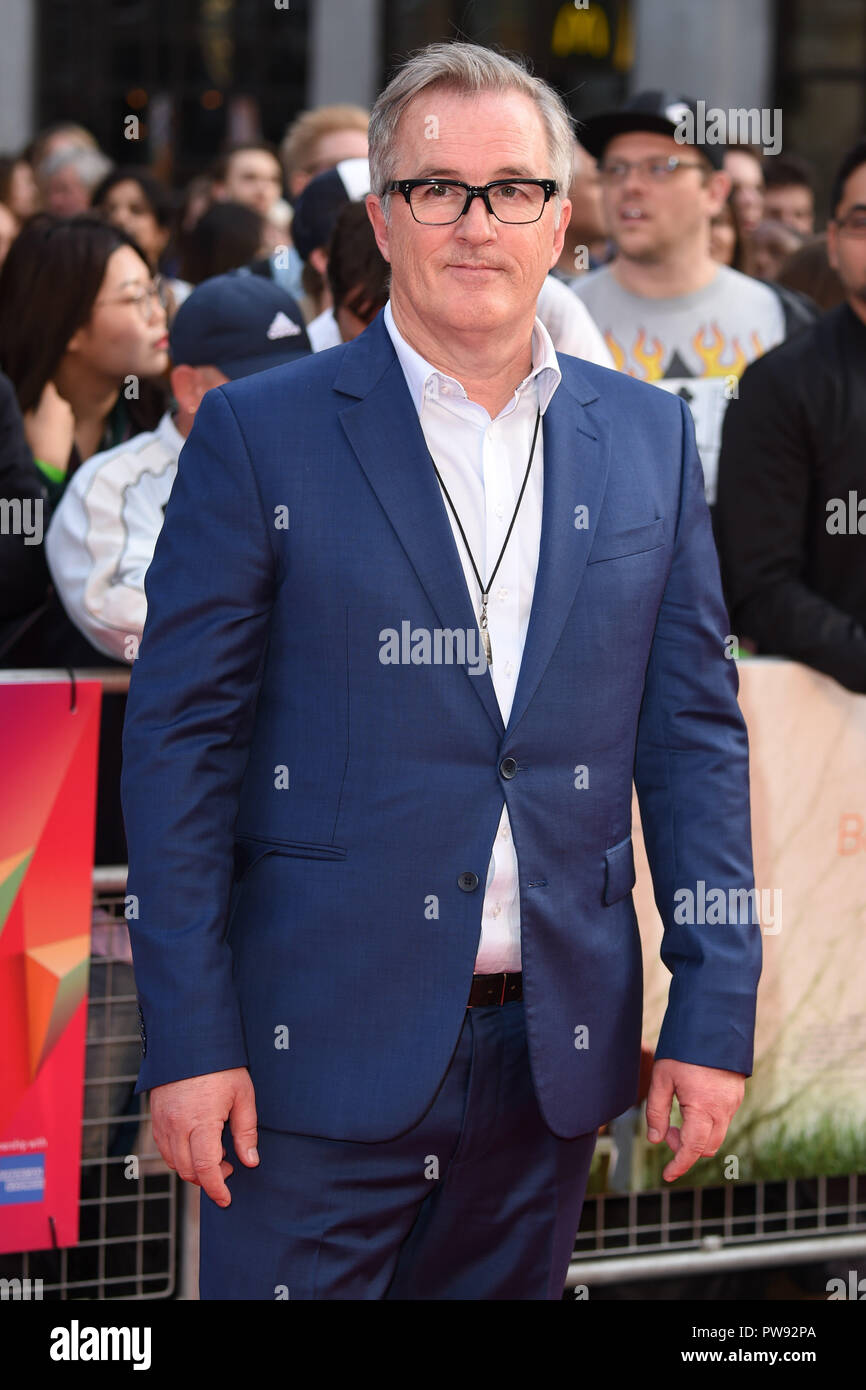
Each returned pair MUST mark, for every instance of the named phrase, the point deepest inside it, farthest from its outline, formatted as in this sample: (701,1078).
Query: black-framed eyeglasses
(853,224)
(146,298)
(437,202)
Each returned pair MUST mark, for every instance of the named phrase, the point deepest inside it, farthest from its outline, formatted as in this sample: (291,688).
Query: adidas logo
(283,327)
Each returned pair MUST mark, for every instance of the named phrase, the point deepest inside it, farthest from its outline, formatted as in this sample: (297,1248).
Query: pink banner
(48,752)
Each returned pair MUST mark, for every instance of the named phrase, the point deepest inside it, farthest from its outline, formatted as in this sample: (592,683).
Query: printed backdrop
(48,753)
(804,1114)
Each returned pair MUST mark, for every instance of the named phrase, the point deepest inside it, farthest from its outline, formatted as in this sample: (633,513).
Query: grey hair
(91,165)
(467,69)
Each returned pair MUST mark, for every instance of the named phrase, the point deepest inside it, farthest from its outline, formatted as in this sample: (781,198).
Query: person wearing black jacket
(24,577)
(790,518)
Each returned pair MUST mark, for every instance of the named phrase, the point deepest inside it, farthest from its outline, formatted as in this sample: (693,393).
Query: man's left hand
(708,1098)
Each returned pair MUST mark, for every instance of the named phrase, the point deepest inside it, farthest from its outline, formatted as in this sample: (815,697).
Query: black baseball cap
(240,322)
(318,205)
(661,112)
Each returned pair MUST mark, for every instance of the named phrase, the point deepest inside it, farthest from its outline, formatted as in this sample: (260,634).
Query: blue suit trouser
(478,1200)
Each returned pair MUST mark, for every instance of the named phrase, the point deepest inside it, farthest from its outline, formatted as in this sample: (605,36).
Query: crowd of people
(701,269)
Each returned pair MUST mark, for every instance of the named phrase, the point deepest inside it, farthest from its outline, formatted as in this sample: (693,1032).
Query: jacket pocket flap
(249,851)
(619,871)
(615,544)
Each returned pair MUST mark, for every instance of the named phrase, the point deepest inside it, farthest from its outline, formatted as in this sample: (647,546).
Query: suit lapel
(385,433)
(576,463)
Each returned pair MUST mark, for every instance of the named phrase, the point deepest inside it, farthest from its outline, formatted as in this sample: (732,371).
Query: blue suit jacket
(309,827)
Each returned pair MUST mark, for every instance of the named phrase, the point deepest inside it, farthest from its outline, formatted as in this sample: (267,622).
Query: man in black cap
(669,313)
(102,536)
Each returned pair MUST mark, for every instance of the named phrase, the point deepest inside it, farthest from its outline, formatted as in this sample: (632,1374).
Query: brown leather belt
(495,989)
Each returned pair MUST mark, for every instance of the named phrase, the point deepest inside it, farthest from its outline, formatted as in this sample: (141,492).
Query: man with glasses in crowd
(406,647)
(668,311)
(791,515)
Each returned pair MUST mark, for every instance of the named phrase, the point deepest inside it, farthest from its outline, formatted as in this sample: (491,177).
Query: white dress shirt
(483,464)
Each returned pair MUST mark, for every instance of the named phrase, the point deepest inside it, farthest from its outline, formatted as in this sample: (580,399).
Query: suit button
(468,882)
(508,768)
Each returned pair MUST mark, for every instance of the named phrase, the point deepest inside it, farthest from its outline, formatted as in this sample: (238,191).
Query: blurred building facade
(196,73)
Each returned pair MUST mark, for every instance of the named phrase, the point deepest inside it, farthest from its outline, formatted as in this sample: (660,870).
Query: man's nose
(477,223)
(635,179)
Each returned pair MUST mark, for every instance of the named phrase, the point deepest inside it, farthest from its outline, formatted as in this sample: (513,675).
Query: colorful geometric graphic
(48,752)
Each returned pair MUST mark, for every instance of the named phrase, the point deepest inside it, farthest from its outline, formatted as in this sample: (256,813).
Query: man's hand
(188,1118)
(708,1098)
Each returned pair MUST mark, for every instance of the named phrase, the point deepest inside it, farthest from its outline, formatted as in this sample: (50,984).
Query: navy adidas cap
(661,112)
(240,322)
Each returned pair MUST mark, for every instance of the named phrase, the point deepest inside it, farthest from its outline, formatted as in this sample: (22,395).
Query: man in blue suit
(422,608)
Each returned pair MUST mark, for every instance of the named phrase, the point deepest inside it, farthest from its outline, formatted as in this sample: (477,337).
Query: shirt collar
(418,371)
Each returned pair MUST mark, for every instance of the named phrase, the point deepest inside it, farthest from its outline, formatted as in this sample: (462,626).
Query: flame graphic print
(719,356)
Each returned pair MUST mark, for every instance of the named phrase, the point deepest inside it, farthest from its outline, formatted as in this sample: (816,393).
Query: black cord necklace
(485,588)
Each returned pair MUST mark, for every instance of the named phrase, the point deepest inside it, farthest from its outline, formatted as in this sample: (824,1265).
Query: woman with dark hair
(82,339)
(726,237)
(809,272)
(226,237)
(132,199)
(138,203)
(18,188)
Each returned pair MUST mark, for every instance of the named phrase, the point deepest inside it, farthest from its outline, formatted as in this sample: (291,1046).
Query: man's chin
(475,312)
(640,251)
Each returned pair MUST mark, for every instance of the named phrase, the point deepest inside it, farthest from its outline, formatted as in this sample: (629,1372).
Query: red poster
(48,757)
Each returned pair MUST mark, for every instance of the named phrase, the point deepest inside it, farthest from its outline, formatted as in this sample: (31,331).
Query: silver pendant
(485,635)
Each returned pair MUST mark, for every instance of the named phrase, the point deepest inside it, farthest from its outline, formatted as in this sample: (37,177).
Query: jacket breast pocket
(619,876)
(249,850)
(615,545)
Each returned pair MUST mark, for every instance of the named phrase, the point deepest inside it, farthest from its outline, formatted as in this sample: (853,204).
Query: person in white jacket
(102,535)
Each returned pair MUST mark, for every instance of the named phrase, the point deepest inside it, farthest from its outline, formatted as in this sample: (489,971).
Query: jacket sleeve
(692,781)
(188,726)
(762,520)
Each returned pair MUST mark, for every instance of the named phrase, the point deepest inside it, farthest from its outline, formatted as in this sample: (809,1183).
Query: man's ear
(318,259)
(559,234)
(833,245)
(380,226)
(187,387)
(718,187)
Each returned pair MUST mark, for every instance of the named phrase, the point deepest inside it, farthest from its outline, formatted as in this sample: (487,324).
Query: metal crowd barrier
(626,1236)
(130,1223)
